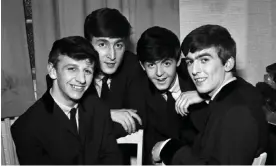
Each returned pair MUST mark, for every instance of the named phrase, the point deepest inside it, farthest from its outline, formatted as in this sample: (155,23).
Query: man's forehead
(210,51)
(162,60)
(108,39)
(68,60)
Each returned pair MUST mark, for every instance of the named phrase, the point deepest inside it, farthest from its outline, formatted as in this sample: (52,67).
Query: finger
(177,103)
(137,117)
(182,105)
(129,121)
(124,125)
(130,110)
(135,111)
(186,106)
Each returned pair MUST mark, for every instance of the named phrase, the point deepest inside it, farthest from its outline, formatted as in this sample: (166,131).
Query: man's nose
(81,77)
(112,54)
(159,70)
(196,68)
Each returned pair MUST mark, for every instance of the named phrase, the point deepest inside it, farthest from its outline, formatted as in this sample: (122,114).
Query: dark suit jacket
(44,135)
(162,125)
(126,90)
(235,131)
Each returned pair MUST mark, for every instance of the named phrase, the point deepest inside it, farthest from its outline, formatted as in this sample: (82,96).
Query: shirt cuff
(160,149)
(169,149)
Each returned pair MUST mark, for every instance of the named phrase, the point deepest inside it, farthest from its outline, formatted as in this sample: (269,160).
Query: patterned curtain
(53,19)
(17,92)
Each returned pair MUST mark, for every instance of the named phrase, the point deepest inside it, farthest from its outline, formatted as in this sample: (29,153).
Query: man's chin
(110,71)
(161,88)
(76,97)
(202,90)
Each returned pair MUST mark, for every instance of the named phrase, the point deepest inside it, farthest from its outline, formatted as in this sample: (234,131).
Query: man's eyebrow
(69,65)
(203,55)
(199,56)
(90,65)
(166,59)
(102,40)
(119,41)
(106,41)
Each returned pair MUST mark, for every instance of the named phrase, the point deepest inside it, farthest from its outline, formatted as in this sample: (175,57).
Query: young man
(118,81)
(64,127)
(158,51)
(235,130)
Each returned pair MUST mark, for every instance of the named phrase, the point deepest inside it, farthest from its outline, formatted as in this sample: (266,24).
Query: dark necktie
(172,116)
(170,99)
(105,88)
(73,121)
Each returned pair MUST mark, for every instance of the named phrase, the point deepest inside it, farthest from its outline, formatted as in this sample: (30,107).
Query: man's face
(161,73)
(111,52)
(71,78)
(206,70)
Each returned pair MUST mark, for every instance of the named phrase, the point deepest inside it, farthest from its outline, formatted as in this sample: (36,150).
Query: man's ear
(142,65)
(52,71)
(229,65)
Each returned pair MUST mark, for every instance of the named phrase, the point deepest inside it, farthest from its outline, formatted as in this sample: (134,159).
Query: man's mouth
(77,88)
(199,81)
(161,80)
(110,64)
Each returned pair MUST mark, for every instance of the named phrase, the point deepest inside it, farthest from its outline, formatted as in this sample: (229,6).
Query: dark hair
(208,36)
(106,22)
(75,47)
(158,43)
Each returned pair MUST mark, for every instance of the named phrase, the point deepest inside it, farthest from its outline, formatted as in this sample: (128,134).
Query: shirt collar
(66,109)
(225,83)
(99,77)
(176,87)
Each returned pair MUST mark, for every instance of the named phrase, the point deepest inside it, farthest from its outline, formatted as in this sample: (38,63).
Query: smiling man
(235,129)
(158,51)
(64,127)
(118,82)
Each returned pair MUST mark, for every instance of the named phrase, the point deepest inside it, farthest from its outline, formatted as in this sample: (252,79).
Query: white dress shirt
(99,82)
(66,109)
(175,89)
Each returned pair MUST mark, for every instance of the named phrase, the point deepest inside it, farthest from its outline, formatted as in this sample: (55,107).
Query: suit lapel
(115,100)
(156,100)
(63,121)
(157,105)
(83,122)
(60,119)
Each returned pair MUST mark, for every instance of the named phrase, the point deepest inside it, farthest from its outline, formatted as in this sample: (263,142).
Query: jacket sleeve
(236,144)
(135,98)
(110,154)
(151,137)
(28,149)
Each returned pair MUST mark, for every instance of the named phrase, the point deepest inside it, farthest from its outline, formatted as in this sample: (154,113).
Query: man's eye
(88,72)
(167,63)
(71,69)
(151,65)
(119,45)
(204,60)
(101,44)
